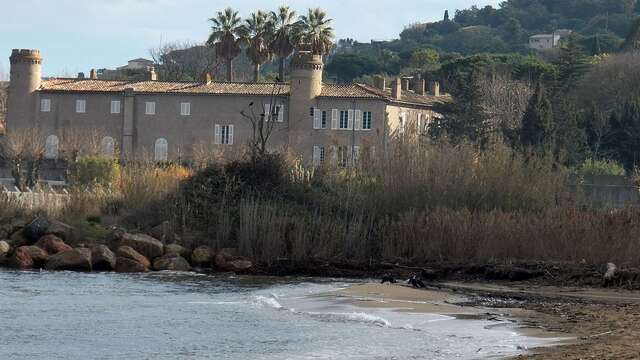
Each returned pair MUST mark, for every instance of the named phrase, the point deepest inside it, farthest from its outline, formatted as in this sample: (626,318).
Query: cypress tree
(570,135)
(572,64)
(446,15)
(537,122)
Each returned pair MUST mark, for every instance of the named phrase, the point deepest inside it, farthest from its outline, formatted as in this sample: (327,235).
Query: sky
(77,35)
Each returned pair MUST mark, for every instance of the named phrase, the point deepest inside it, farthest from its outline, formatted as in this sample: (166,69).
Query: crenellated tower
(26,77)
(306,86)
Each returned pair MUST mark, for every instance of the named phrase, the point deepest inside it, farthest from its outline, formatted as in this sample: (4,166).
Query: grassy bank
(422,202)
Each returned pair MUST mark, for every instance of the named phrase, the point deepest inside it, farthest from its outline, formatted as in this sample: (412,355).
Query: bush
(601,167)
(94,170)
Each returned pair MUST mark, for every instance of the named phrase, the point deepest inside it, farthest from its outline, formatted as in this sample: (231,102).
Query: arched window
(51,147)
(161,152)
(108,146)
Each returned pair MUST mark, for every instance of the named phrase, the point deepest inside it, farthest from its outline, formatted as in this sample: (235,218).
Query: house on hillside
(548,41)
(171,121)
(133,69)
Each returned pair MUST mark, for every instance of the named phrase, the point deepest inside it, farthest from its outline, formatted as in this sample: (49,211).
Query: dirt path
(606,322)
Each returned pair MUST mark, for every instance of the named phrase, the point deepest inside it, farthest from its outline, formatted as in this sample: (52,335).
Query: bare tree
(264,120)
(505,101)
(183,61)
(76,143)
(23,151)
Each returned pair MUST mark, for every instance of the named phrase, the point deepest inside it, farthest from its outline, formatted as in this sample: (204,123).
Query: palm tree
(283,43)
(315,33)
(227,33)
(260,31)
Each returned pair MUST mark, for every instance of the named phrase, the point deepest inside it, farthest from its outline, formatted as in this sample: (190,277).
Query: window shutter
(334,154)
(358,120)
(316,155)
(267,112)
(334,119)
(356,153)
(230,134)
(317,119)
(217,138)
(350,119)
(280,113)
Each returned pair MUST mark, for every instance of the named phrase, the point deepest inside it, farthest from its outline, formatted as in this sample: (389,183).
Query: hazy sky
(76,35)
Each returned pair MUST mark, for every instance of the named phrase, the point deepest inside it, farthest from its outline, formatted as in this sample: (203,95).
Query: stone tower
(26,76)
(306,86)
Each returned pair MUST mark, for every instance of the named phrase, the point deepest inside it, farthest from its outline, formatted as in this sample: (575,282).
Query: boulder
(28,257)
(72,260)
(610,275)
(4,248)
(60,229)
(52,244)
(228,261)
(17,239)
(102,259)
(129,260)
(202,256)
(34,230)
(175,249)
(144,244)
(171,262)
(164,233)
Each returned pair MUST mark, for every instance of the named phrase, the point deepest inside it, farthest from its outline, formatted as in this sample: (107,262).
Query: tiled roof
(226,88)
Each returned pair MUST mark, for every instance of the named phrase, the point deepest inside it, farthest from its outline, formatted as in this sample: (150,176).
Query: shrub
(601,167)
(94,170)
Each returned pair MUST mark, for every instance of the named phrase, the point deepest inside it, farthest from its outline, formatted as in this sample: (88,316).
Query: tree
(260,31)
(427,59)
(596,127)
(315,33)
(283,42)
(572,64)
(570,137)
(346,67)
(446,15)
(23,149)
(537,122)
(623,139)
(227,33)
(632,42)
(183,61)
(263,121)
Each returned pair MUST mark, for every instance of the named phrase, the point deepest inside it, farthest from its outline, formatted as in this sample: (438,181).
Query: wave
(360,317)
(264,301)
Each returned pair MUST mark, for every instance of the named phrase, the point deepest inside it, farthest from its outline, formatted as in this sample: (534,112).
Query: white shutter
(230,134)
(317,119)
(334,154)
(350,119)
(358,120)
(280,113)
(267,112)
(356,153)
(316,155)
(334,119)
(217,138)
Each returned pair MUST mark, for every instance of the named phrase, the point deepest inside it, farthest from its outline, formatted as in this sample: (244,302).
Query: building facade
(169,121)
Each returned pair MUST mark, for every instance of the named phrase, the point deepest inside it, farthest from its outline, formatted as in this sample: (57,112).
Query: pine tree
(632,42)
(570,136)
(446,15)
(537,122)
(572,64)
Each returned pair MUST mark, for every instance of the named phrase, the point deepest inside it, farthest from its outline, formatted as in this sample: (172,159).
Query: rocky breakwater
(43,244)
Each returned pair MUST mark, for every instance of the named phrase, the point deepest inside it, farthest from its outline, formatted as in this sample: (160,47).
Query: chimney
(420,86)
(92,74)
(153,76)
(80,75)
(396,89)
(434,88)
(379,82)
(406,84)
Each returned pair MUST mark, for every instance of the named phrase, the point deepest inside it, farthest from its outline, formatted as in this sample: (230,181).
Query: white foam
(360,317)
(264,301)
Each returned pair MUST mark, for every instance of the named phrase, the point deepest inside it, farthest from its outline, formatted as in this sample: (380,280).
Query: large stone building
(169,120)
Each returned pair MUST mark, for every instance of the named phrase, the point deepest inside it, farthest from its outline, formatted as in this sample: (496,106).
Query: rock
(176,249)
(60,230)
(164,232)
(202,256)
(129,260)
(52,244)
(4,248)
(72,260)
(102,259)
(144,244)
(610,275)
(34,230)
(227,261)
(28,257)
(17,239)
(171,262)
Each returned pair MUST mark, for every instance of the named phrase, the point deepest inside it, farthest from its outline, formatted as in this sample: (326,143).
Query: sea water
(64,315)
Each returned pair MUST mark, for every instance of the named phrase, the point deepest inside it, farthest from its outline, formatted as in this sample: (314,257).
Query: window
(115,107)
(223,134)
(185,109)
(150,108)
(323,123)
(51,147)
(343,156)
(81,106)
(45,105)
(318,155)
(161,151)
(366,120)
(312,112)
(108,146)
(277,112)
(344,119)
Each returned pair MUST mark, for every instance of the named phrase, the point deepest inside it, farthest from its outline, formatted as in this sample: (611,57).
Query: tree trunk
(256,72)
(282,62)
(230,70)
